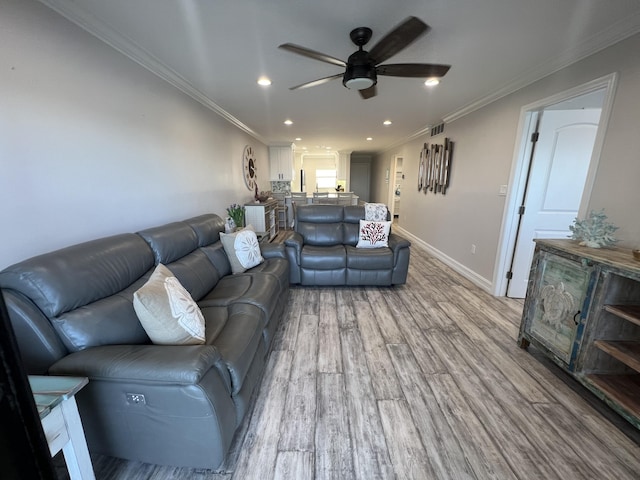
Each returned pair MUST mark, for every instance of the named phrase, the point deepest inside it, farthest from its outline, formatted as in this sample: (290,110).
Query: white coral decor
(594,231)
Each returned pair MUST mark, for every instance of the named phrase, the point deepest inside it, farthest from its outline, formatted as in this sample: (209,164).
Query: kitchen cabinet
(583,311)
(281,163)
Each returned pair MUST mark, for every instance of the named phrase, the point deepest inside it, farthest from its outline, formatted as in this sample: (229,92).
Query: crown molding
(122,44)
(614,34)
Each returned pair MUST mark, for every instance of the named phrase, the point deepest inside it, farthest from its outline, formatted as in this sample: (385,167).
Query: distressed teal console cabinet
(583,311)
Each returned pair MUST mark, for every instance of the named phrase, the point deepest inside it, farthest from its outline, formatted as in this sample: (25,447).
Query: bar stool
(323,198)
(281,210)
(345,198)
(298,198)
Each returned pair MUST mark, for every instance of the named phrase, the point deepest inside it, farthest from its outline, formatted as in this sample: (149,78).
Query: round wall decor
(249,168)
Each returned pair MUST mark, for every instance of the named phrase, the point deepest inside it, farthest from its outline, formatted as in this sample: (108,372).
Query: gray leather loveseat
(322,250)
(176,405)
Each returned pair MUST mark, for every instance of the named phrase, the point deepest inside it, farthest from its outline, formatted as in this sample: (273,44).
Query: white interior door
(556,183)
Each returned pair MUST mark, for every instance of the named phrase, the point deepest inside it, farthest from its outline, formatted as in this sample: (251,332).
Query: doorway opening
(559,143)
(396,177)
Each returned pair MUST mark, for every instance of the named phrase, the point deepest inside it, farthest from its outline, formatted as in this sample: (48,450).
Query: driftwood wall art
(435,167)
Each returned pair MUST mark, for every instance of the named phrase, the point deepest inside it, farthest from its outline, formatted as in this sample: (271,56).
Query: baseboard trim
(466,272)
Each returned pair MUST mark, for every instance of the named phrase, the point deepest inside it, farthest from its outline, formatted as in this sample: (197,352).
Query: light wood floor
(422,381)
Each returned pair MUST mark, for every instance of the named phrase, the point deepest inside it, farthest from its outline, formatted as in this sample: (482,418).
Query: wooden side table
(56,403)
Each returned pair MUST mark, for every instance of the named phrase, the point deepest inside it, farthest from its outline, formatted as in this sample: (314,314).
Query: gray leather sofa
(322,251)
(72,313)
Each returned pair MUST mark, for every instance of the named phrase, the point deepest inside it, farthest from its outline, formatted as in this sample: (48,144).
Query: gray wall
(93,144)
(472,211)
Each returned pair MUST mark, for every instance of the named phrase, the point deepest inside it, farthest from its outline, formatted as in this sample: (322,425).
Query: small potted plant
(235,217)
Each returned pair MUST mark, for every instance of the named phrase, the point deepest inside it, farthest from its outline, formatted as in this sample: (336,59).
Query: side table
(55,399)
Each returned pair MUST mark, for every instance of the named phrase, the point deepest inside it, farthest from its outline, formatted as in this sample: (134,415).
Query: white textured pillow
(242,248)
(167,312)
(373,234)
(375,212)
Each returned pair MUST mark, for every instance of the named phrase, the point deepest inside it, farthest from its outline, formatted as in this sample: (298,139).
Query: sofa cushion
(81,274)
(320,224)
(373,234)
(170,242)
(321,234)
(323,258)
(277,268)
(239,341)
(215,318)
(111,320)
(196,273)
(207,228)
(261,290)
(242,248)
(217,256)
(369,258)
(167,312)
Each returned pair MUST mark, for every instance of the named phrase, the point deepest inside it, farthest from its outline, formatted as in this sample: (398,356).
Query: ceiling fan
(362,68)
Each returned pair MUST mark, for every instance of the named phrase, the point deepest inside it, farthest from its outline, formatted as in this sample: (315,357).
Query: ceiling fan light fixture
(358,83)
(360,73)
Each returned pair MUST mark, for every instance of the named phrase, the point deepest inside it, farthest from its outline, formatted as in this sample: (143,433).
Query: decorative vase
(229,225)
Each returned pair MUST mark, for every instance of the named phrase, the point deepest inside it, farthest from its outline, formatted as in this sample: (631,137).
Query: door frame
(391,189)
(518,176)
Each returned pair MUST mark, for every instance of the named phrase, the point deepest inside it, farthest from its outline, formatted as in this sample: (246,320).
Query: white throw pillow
(242,248)
(167,312)
(373,234)
(375,212)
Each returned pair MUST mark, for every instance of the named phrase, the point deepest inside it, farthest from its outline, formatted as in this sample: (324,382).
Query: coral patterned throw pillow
(373,234)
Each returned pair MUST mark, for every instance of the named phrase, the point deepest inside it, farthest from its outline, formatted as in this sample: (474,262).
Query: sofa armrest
(179,364)
(272,250)
(396,242)
(295,241)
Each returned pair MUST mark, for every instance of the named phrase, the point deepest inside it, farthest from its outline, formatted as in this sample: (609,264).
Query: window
(326,178)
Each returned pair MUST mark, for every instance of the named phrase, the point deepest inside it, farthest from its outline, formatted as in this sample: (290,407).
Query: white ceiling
(215,50)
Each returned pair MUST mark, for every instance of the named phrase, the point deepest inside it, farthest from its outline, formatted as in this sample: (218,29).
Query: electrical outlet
(473,249)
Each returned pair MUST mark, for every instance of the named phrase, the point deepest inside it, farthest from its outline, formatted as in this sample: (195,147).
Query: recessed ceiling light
(288,122)
(264,81)
(369,139)
(328,148)
(432,82)
(298,139)
(387,122)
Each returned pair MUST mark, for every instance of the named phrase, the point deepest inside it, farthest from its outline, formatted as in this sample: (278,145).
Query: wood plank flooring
(422,381)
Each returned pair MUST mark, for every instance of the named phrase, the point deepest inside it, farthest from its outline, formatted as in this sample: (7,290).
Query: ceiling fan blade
(306,52)
(397,39)
(368,92)
(314,83)
(421,70)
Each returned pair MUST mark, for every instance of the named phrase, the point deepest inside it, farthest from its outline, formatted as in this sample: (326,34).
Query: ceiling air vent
(437,129)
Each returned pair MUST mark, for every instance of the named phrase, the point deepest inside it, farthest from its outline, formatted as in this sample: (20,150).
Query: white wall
(472,211)
(92,144)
